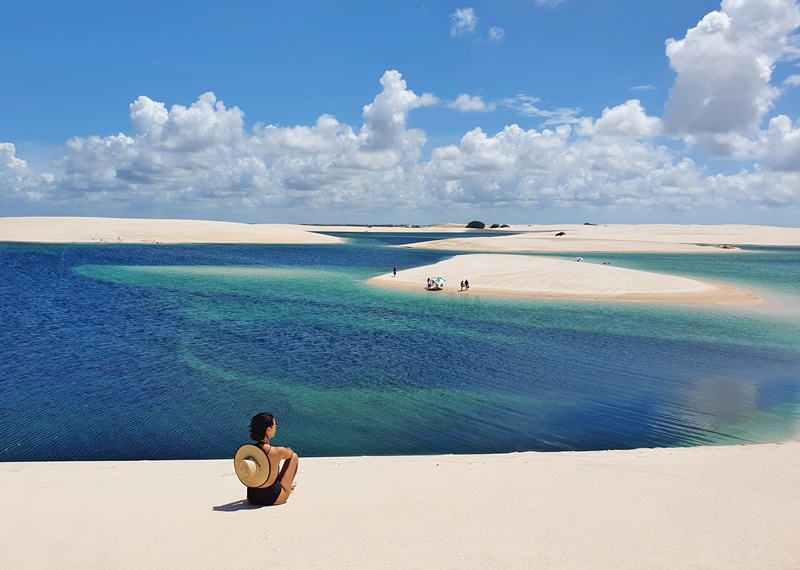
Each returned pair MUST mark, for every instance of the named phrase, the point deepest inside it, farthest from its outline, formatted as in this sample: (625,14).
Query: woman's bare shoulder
(282,452)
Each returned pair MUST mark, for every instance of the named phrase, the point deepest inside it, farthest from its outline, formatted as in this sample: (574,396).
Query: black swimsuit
(265,496)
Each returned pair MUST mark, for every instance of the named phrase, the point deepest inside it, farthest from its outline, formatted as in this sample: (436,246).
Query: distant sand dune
(124,230)
(621,238)
(576,238)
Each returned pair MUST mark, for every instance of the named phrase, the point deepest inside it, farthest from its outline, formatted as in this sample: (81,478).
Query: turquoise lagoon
(165,352)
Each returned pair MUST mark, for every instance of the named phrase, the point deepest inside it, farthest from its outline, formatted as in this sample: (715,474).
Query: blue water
(165,352)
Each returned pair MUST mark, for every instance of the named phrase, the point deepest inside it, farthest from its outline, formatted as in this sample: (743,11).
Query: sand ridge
(514,238)
(144,231)
(661,238)
(703,507)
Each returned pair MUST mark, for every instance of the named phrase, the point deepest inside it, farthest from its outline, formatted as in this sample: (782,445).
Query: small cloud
(527,105)
(792,81)
(464,22)
(523,104)
(496,34)
(467,104)
(642,87)
(548,3)
(626,120)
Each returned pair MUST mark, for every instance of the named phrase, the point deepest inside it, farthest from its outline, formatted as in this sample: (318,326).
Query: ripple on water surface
(129,349)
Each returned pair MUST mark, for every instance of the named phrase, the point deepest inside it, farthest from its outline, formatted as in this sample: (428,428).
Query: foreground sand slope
(505,274)
(725,507)
(125,230)
(622,238)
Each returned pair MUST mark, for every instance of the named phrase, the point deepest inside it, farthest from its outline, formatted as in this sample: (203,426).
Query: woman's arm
(287,473)
(284,452)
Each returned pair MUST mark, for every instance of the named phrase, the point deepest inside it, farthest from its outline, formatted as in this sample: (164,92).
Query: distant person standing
(466,284)
(394,272)
(462,286)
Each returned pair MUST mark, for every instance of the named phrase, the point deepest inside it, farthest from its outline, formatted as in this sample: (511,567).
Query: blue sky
(517,111)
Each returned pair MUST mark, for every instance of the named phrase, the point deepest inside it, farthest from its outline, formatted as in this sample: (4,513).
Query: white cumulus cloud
(201,160)
(626,120)
(386,116)
(782,145)
(469,103)
(496,34)
(724,66)
(463,21)
(18,182)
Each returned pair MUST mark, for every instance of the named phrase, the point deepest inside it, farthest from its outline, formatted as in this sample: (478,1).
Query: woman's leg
(286,477)
(285,467)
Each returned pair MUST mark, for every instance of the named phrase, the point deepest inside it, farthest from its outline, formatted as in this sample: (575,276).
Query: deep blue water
(155,352)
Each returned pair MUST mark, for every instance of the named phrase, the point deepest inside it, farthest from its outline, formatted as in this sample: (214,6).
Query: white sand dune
(400,229)
(125,230)
(622,238)
(714,507)
(506,274)
(645,237)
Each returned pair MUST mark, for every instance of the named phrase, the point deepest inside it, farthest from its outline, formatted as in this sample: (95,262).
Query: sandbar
(702,507)
(544,277)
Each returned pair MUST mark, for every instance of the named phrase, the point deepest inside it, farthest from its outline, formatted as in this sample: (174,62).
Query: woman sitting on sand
(280,483)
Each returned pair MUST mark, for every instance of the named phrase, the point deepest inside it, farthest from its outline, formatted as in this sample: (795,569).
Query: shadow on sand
(241,505)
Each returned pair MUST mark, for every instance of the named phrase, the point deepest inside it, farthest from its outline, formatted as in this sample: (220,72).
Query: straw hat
(251,465)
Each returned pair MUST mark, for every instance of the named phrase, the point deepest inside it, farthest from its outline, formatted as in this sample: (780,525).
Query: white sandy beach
(499,274)
(716,507)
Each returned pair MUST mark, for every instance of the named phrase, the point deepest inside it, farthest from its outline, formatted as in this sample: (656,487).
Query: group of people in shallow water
(436,284)
(433,285)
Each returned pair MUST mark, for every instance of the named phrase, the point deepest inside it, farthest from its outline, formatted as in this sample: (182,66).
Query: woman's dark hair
(259,425)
